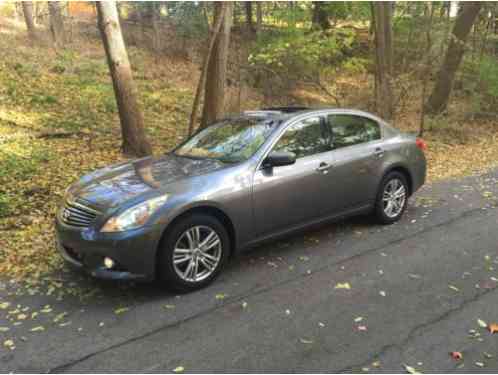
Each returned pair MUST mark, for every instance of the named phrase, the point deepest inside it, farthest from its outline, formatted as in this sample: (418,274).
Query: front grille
(77,214)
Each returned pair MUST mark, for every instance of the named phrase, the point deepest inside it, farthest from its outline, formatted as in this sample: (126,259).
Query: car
(245,179)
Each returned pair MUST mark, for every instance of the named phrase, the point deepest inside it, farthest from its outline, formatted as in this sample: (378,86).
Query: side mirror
(279,158)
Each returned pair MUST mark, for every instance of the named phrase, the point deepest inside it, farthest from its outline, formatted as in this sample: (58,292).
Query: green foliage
(296,53)
(488,74)
(22,167)
(188,18)
(43,99)
(4,205)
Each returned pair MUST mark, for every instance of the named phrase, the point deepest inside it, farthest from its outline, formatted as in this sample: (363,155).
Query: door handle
(379,152)
(323,167)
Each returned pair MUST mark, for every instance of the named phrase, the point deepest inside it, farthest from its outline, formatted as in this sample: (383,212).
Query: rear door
(356,159)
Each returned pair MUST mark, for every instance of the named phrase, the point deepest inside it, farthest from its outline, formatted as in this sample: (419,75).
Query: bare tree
(427,67)
(249,23)
(214,94)
(56,24)
(382,17)
(319,16)
(259,15)
(202,79)
(27,8)
(134,140)
(438,100)
(156,37)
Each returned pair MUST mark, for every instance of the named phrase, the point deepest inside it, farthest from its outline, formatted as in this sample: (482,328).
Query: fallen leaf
(362,328)
(376,364)
(22,317)
(244,305)
(479,364)
(411,370)
(487,355)
(342,286)
(4,329)
(4,305)
(305,341)
(321,324)
(9,344)
(382,293)
(456,355)
(179,369)
(59,317)
(169,307)
(220,296)
(37,329)
(121,310)
(453,288)
(493,327)
(358,319)
(482,323)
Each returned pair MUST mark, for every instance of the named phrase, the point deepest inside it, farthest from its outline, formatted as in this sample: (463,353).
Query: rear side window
(348,130)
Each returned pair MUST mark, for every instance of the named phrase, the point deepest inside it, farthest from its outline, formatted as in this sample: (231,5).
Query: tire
(383,213)
(179,243)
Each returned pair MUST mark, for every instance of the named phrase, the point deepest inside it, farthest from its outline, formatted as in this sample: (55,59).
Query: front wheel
(392,198)
(193,253)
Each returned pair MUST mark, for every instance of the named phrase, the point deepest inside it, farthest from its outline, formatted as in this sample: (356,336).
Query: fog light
(108,263)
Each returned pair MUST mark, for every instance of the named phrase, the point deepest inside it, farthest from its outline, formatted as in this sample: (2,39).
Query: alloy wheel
(197,253)
(394,197)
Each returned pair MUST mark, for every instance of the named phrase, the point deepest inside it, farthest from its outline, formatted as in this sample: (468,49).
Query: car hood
(113,185)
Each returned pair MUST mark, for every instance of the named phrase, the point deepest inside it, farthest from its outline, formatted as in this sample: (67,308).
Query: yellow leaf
(342,286)
(121,310)
(179,369)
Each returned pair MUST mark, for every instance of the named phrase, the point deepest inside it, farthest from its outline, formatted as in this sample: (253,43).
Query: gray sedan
(178,217)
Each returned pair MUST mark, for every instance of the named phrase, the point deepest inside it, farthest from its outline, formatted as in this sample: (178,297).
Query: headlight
(134,217)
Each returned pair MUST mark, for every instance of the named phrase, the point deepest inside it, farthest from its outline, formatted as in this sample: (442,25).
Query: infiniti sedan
(178,217)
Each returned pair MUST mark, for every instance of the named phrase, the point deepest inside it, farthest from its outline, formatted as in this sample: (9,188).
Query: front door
(287,196)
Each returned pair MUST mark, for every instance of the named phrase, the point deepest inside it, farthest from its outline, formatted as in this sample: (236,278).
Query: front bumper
(134,251)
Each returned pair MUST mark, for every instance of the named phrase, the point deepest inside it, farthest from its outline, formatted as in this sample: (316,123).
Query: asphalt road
(416,289)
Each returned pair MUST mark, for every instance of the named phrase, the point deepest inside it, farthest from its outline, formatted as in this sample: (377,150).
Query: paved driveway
(352,296)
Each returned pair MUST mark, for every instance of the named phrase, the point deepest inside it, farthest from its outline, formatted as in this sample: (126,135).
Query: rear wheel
(193,252)
(392,198)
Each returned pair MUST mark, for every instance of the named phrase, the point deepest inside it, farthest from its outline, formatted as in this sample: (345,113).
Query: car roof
(286,113)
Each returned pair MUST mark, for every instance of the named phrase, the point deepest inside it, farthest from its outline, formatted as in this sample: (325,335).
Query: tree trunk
(27,8)
(427,67)
(250,25)
(382,12)
(134,140)
(319,17)
(214,95)
(202,79)
(56,24)
(259,16)
(438,100)
(156,39)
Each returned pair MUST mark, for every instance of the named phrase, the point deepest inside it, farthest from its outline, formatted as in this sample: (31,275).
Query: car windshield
(229,141)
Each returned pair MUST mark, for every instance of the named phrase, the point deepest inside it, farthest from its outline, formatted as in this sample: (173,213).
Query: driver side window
(304,138)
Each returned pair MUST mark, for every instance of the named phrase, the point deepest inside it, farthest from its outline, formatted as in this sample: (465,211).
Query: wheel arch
(405,172)
(205,210)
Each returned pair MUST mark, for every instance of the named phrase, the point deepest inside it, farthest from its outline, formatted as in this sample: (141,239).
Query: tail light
(421,144)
